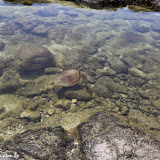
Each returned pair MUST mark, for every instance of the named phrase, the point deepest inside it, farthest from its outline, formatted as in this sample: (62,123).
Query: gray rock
(103,138)
(7,29)
(106,87)
(156,104)
(2,65)
(105,72)
(80,94)
(141,28)
(24,23)
(31,115)
(137,73)
(37,86)
(2,45)
(156,26)
(40,30)
(33,57)
(143,93)
(9,82)
(136,81)
(47,12)
(117,65)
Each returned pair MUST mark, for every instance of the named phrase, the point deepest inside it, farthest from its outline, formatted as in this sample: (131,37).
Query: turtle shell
(67,78)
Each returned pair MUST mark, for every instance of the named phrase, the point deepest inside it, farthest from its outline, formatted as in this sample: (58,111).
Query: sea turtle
(69,78)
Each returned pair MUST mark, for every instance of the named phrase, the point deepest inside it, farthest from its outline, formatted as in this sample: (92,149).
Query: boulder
(106,87)
(102,137)
(9,82)
(117,65)
(141,28)
(31,115)
(33,57)
(80,94)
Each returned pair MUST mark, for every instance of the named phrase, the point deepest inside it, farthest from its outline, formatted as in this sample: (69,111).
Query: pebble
(74,100)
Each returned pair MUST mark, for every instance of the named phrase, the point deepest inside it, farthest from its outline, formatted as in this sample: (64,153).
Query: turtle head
(81,68)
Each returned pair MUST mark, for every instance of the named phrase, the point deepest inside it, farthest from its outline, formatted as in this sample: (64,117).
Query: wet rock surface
(104,3)
(33,57)
(9,82)
(106,87)
(47,144)
(103,138)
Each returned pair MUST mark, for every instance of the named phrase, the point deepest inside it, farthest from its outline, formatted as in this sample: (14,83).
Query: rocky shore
(117,3)
(103,136)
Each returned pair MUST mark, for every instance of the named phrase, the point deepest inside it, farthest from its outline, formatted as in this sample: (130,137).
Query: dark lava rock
(2,45)
(47,12)
(103,137)
(46,144)
(33,57)
(106,87)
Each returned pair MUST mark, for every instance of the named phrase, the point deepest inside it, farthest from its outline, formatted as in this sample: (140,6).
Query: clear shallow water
(122,45)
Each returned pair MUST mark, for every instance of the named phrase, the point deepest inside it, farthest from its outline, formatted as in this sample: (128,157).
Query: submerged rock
(107,87)
(24,23)
(37,86)
(80,94)
(117,65)
(136,81)
(31,115)
(7,29)
(156,26)
(33,57)
(137,73)
(141,28)
(9,82)
(2,45)
(47,12)
(40,30)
